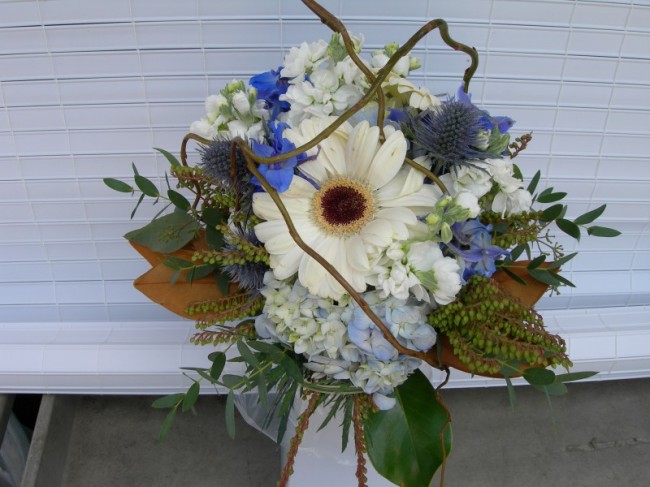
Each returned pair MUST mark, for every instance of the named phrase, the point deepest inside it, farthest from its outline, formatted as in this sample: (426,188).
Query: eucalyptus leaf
(544,276)
(568,227)
(536,262)
(533,182)
(538,376)
(267,348)
(597,231)
(232,381)
(516,172)
(552,212)
(408,443)
(169,156)
(191,396)
(590,216)
(146,186)
(551,197)
(292,369)
(166,234)
(137,205)
(514,276)
(230,414)
(166,425)
(223,282)
(218,364)
(554,389)
(573,376)
(560,262)
(345,425)
(200,271)
(168,401)
(178,200)
(117,185)
(248,356)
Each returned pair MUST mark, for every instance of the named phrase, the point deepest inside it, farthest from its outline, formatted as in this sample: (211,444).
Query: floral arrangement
(349,229)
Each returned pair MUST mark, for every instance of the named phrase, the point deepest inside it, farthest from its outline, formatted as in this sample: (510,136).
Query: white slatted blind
(87,87)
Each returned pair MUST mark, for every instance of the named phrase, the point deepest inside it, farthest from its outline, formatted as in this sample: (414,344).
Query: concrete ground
(601,438)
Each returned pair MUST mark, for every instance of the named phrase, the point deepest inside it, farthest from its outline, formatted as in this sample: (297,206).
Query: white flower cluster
(481,177)
(340,341)
(234,112)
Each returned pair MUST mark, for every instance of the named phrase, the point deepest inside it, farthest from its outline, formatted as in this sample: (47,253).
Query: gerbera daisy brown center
(343,206)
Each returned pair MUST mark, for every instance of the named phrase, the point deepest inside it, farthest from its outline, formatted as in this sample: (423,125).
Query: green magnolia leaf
(552,212)
(117,185)
(230,414)
(597,231)
(191,396)
(178,200)
(590,216)
(568,227)
(146,186)
(167,233)
(167,424)
(539,377)
(409,442)
(168,401)
(169,156)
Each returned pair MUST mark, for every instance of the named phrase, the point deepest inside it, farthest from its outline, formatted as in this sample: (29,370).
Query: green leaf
(539,377)
(285,409)
(409,442)
(267,348)
(218,364)
(533,182)
(230,414)
(191,396)
(167,424)
(516,172)
(536,262)
(223,282)
(517,251)
(140,199)
(200,271)
(512,397)
(554,389)
(166,234)
(544,276)
(573,376)
(168,401)
(231,381)
(262,391)
(551,213)
(514,276)
(146,186)
(551,197)
(568,227)
(560,262)
(345,425)
(169,156)
(564,280)
(178,200)
(597,231)
(246,353)
(292,369)
(590,216)
(118,185)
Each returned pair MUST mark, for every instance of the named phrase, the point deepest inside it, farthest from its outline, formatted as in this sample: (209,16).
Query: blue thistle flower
(451,134)
(216,162)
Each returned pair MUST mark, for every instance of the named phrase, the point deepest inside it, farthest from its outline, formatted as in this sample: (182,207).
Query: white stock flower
(474,178)
(364,201)
(469,201)
(438,274)
(302,60)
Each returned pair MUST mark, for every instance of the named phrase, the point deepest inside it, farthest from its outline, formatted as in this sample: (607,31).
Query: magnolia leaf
(117,185)
(590,216)
(169,156)
(408,443)
(166,234)
(597,231)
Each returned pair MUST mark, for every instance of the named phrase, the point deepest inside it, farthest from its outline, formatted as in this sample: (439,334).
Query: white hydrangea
(378,376)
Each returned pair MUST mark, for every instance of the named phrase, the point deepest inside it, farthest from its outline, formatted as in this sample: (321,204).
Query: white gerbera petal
(388,160)
(362,147)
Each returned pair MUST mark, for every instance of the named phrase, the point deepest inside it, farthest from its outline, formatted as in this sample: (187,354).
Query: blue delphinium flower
(473,243)
(487,121)
(278,174)
(270,85)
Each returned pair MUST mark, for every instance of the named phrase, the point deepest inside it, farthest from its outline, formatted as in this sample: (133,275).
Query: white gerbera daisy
(362,200)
